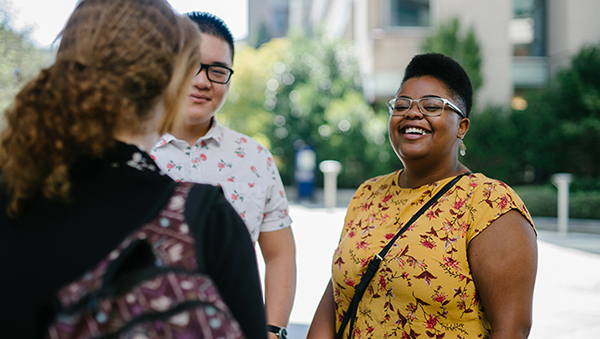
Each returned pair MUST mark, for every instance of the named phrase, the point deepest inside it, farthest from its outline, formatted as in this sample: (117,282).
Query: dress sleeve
(229,259)
(491,199)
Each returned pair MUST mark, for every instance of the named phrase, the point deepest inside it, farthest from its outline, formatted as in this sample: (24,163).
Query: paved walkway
(567,295)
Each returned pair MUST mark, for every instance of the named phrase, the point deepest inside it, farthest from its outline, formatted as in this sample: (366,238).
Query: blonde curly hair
(117,60)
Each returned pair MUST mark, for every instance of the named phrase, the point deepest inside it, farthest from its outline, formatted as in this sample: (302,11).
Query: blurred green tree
(20,58)
(302,91)
(244,109)
(316,101)
(560,129)
(449,41)
(494,146)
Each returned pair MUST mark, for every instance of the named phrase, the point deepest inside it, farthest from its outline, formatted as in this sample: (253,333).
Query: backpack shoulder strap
(197,210)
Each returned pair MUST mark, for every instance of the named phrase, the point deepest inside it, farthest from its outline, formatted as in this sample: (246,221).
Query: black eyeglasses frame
(208,67)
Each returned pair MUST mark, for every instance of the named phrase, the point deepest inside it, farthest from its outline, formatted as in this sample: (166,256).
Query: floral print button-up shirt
(424,287)
(244,168)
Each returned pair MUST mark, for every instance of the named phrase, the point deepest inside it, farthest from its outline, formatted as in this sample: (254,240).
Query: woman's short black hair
(213,25)
(446,70)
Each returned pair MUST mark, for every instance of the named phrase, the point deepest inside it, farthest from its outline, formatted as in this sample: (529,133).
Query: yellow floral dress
(424,287)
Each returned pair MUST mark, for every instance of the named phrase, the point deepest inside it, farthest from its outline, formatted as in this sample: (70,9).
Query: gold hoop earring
(462,148)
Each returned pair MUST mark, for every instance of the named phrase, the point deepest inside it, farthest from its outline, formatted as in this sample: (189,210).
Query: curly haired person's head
(117,61)
(446,70)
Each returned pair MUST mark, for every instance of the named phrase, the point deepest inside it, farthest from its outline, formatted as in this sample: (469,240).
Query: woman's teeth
(415,130)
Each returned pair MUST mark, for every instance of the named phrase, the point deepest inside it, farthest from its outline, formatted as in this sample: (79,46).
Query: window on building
(279,20)
(409,13)
(527,29)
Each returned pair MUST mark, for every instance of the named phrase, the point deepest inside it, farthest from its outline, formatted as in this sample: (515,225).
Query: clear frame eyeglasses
(430,106)
(216,73)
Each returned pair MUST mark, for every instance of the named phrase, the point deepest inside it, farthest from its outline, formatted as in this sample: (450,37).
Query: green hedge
(584,205)
(542,202)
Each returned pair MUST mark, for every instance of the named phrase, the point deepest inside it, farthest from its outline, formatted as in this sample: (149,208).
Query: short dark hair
(446,70)
(213,25)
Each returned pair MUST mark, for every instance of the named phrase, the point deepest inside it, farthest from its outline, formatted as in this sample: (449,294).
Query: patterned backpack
(149,287)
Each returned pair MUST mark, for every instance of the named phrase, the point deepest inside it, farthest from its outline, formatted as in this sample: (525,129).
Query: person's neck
(145,135)
(143,141)
(191,133)
(416,176)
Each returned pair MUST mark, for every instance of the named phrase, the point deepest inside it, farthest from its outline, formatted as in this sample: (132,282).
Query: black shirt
(55,242)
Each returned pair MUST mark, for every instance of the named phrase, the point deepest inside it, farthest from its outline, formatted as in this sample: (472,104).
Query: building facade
(522,42)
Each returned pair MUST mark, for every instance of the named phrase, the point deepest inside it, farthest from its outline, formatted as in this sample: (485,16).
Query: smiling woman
(440,274)
(427,142)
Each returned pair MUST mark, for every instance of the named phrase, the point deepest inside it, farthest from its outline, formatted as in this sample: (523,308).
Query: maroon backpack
(148,287)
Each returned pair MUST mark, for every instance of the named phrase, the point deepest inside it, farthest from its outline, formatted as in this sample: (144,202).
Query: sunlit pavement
(567,295)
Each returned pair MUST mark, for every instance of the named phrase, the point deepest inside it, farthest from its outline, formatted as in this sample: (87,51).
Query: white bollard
(562,182)
(330,169)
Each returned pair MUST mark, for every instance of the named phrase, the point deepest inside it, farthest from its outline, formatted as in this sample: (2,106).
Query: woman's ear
(463,127)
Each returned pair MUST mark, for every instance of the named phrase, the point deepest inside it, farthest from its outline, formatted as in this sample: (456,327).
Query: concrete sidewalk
(567,295)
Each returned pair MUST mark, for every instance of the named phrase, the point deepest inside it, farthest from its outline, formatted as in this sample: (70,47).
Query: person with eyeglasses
(203,151)
(464,268)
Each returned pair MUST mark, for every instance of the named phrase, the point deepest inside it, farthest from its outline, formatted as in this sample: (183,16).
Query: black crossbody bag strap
(376,261)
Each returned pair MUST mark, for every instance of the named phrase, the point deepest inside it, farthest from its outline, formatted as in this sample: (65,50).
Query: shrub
(584,205)
(542,202)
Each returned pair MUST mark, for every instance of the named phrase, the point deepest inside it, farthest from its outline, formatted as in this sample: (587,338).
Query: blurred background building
(522,41)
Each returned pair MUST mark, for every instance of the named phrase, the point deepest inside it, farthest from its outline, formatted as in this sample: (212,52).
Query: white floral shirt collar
(215,133)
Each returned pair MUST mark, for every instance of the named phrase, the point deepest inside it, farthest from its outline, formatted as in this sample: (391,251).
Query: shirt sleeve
(230,260)
(276,213)
(492,199)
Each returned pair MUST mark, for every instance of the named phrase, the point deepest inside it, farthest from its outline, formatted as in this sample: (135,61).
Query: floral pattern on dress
(243,168)
(423,287)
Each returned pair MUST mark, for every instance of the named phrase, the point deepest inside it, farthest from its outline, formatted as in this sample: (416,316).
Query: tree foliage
(244,109)
(316,100)
(449,41)
(559,131)
(20,58)
(302,91)
(493,145)
(560,128)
